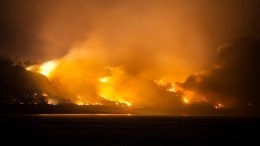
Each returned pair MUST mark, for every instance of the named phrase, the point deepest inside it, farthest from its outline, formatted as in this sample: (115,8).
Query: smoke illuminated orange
(47,68)
(89,84)
(89,77)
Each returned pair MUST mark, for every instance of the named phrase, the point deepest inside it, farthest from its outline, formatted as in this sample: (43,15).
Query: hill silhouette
(18,85)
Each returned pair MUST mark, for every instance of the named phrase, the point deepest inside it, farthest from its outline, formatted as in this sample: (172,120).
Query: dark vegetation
(20,86)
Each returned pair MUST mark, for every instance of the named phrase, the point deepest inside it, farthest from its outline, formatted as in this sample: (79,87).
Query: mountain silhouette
(20,85)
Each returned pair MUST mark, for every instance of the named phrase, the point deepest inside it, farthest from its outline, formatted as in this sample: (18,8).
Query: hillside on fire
(24,91)
(20,86)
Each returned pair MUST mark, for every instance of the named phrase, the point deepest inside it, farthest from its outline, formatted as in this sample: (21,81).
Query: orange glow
(44,94)
(86,79)
(171,89)
(125,102)
(47,67)
(96,84)
(52,101)
(104,79)
(80,102)
(170,86)
(218,106)
(152,55)
(29,68)
(160,82)
(186,100)
(90,86)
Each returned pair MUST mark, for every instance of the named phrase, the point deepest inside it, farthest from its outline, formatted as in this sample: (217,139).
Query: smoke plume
(234,79)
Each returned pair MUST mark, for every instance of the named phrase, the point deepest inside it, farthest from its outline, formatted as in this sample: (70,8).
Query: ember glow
(186,100)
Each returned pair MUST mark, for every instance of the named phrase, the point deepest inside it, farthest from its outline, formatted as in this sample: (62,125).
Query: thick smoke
(234,79)
(121,50)
(175,36)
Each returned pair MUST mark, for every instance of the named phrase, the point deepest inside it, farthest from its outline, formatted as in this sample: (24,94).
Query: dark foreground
(54,129)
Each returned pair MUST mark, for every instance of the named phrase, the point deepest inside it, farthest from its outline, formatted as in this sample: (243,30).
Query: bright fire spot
(80,102)
(169,86)
(29,68)
(160,82)
(44,94)
(186,100)
(127,103)
(171,89)
(47,67)
(124,102)
(104,79)
(52,101)
(218,106)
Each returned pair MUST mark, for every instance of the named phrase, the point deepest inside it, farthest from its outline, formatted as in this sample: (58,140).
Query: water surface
(127,129)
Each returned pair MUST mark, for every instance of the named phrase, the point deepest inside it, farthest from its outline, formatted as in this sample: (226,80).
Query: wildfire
(29,68)
(87,87)
(104,79)
(80,102)
(160,82)
(171,89)
(186,100)
(125,102)
(52,101)
(218,106)
(47,68)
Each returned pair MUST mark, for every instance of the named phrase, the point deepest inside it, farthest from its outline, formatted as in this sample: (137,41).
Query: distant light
(218,106)
(44,94)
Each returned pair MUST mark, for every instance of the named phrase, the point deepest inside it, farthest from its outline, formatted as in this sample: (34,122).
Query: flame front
(87,79)
(47,68)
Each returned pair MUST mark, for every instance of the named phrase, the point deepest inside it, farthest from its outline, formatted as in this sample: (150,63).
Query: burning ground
(226,85)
